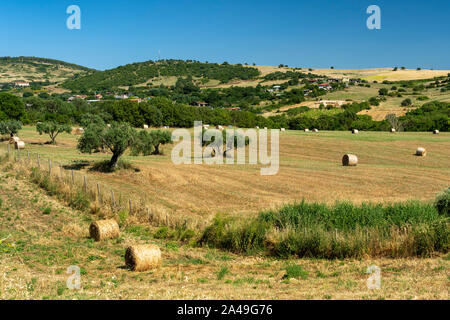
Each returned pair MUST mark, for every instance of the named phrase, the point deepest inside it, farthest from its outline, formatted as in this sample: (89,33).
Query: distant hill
(162,72)
(33,69)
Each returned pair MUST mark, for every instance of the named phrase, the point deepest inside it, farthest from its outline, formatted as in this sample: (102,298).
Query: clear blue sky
(324,33)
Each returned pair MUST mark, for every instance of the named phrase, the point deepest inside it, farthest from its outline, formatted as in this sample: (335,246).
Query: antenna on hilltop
(159,54)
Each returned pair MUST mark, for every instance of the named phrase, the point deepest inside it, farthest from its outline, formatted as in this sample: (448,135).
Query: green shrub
(296,272)
(343,230)
(443,202)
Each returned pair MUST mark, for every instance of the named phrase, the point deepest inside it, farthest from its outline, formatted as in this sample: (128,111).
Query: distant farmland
(310,169)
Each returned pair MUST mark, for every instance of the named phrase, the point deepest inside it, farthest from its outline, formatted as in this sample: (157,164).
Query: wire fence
(102,195)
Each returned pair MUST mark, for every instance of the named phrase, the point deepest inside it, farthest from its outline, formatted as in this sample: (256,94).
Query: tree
(394,122)
(117,138)
(159,138)
(11,107)
(53,129)
(407,102)
(10,127)
(383,91)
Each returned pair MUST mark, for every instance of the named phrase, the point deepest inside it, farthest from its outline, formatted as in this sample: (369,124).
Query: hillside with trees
(38,71)
(141,73)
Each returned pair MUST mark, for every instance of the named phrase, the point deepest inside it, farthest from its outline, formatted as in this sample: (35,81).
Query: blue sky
(414,33)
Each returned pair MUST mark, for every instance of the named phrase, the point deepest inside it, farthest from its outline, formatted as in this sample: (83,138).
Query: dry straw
(19,145)
(14,140)
(349,160)
(421,152)
(143,257)
(104,229)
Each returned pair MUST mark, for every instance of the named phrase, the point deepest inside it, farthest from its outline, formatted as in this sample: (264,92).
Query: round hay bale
(282,129)
(393,130)
(104,229)
(349,160)
(421,152)
(436,132)
(14,140)
(145,127)
(143,257)
(316,130)
(19,145)
(79,131)
(306,130)
(355,131)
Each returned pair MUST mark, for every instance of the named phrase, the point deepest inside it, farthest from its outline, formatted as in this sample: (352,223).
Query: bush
(407,102)
(442,203)
(342,230)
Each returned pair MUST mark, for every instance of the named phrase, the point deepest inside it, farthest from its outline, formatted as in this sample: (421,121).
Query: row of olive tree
(118,137)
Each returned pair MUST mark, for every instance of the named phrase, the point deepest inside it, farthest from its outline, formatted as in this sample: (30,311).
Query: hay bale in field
(104,229)
(435,131)
(393,130)
(143,257)
(219,127)
(316,130)
(145,126)
(257,127)
(283,129)
(79,131)
(421,152)
(19,145)
(355,131)
(108,125)
(349,160)
(306,130)
(14,140)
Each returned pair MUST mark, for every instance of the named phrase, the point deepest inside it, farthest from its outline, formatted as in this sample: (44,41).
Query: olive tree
(10,127)
(117,138)
(53,129)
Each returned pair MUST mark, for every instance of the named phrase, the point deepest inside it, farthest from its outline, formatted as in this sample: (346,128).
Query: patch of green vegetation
(222,273)
(343,230)
(296,272)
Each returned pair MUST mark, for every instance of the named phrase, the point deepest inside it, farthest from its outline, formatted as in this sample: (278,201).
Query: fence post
(129,205)
(99,196)
(73,178)
(39,161)
(113,201)
(84,184)
(28,156)
(167,219)
(49,167)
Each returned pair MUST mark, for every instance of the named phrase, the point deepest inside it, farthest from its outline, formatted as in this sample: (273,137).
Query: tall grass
(342,230)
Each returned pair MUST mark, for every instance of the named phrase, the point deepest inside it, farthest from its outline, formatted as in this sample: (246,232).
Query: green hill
(33,69)
(144,73)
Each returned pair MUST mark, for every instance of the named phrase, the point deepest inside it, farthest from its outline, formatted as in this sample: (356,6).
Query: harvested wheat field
(310,169)
(40,239)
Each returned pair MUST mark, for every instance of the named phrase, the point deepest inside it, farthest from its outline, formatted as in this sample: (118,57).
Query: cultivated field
(40,238)
(310,169)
